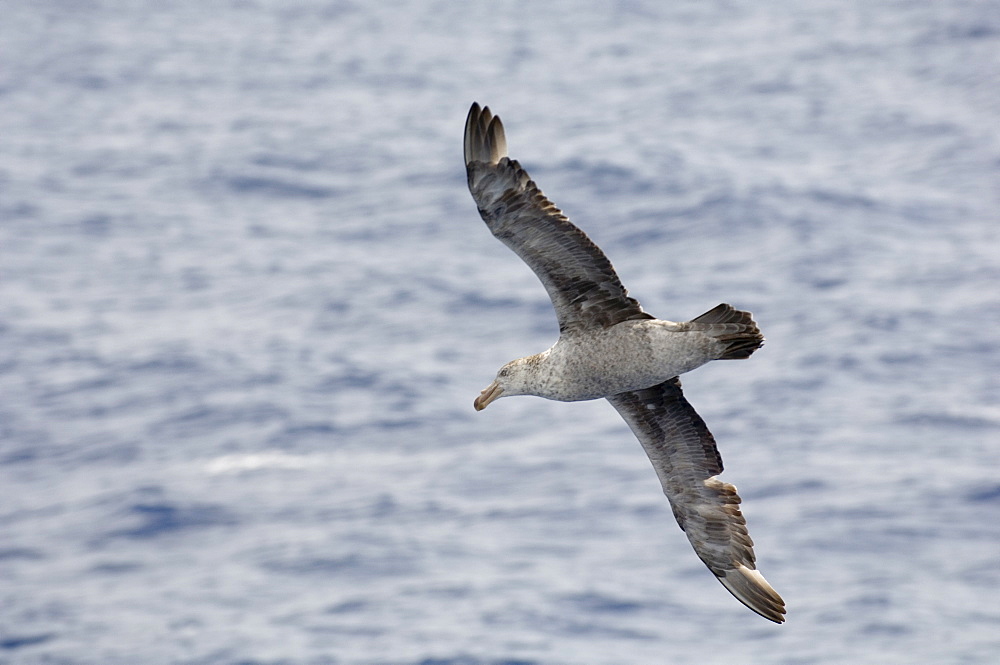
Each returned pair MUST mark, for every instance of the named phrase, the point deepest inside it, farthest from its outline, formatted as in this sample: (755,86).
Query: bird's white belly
(630,356)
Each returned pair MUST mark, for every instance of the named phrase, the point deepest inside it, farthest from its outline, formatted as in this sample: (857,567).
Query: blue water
(246,302)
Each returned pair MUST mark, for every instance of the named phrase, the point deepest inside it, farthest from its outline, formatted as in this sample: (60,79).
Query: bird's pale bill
(490,393)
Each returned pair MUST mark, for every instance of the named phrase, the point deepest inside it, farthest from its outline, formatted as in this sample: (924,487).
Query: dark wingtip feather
(750,588)
(484,136)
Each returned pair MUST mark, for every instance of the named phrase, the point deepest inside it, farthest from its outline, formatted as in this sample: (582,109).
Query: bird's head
(512,379)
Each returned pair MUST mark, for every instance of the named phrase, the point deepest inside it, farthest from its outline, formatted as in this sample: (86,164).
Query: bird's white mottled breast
(628,356)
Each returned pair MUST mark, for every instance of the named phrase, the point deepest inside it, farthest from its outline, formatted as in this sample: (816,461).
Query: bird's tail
(735,328)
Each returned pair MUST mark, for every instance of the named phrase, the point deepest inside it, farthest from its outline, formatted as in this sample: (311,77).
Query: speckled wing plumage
(686,459)
(578,277)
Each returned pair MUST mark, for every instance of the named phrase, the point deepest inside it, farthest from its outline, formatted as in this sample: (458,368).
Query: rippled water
(246,302)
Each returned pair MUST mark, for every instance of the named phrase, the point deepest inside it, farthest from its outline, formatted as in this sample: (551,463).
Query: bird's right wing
(687,461)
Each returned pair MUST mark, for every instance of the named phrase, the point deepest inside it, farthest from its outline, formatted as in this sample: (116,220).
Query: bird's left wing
(582,284)
(687,461)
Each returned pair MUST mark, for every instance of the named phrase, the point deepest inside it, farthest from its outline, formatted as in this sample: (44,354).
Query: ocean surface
(246,302)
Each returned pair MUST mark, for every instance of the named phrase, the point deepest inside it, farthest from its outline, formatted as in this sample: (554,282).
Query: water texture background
(246,302)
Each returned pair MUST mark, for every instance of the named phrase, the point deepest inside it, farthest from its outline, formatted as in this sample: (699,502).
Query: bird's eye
(505,371)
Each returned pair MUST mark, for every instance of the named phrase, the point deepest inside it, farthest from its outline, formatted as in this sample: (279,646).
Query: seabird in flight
(609,347)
